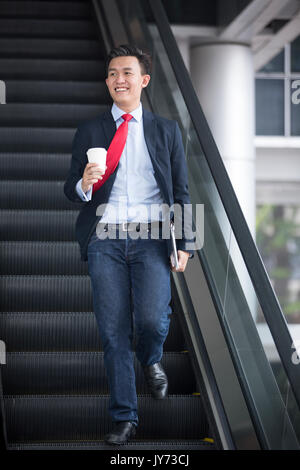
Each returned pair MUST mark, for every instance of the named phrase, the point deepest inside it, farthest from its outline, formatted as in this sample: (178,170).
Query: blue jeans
(128,275)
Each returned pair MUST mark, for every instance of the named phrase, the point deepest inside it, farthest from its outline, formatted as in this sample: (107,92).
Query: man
(129,274)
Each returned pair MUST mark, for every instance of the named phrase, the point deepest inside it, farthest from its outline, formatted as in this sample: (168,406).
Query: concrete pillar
(223,77)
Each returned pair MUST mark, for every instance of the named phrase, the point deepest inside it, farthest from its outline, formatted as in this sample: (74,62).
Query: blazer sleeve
(181,190)
(78,163)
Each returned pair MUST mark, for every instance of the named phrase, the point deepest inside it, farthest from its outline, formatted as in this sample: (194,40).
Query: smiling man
(130,276)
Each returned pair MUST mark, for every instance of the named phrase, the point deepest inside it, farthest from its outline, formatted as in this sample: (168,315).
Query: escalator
(225,390)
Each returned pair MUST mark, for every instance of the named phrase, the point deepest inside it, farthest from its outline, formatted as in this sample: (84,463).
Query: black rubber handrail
(257,272)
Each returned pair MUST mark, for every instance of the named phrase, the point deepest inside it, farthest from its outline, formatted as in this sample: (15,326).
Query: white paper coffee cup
(97,155)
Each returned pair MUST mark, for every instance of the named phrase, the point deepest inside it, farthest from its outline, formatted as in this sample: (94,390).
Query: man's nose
(120,79)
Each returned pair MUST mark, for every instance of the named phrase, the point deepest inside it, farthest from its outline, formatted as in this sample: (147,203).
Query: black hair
(143,57)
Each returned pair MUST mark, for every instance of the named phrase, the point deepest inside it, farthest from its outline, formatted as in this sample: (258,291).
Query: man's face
(125,82)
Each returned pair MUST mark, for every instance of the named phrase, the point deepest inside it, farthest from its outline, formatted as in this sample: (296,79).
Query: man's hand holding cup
(95,168)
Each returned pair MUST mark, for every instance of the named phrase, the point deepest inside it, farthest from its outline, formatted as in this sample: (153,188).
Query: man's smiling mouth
(120,89)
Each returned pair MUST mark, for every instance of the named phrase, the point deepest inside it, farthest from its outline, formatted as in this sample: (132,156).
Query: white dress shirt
(135,188)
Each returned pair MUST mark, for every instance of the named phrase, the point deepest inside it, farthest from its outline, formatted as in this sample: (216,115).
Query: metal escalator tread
(45,48)
(34,195)
(43,27)
(133,445)
(56,91)
(48,114)
(24,166)
(45,9)
(37,225)
(68,417)
(39,139)
(57,293)
(82,372)
(64,331)
(51,69)
(29,257)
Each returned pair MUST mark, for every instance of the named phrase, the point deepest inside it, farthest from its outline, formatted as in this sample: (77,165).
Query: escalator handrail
(257,272)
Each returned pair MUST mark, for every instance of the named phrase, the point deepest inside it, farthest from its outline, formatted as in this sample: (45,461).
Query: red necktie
(114,151)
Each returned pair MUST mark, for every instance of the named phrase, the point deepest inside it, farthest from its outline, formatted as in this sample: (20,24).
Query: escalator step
(64,331)
(38,225)
(49,331)
(35,166)
(21,139)
(47,195)
(48,115)
(172,445)
(60,258)
(52,418)
(34,373)
(51,91)
(51,69)
(34,293)
(44,48)
(38,293)
(44,9)
(46,28)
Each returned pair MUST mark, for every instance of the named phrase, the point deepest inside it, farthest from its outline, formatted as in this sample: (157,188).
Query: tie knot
(127,117)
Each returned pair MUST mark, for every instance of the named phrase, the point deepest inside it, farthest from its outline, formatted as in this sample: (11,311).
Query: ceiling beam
(286,34)
(253,19)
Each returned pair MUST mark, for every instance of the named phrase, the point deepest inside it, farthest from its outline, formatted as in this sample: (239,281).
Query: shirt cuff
(84,196)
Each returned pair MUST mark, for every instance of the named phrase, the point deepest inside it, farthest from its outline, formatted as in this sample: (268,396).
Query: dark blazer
(164,142)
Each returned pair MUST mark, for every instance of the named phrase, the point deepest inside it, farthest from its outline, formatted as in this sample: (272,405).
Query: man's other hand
(183,257)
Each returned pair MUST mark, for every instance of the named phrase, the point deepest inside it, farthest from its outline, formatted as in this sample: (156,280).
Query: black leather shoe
(121,433)
(157,380)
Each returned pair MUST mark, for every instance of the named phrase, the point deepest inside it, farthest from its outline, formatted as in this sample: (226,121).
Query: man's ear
(146,80)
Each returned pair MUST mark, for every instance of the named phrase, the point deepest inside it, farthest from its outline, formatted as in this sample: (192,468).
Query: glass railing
(242,293)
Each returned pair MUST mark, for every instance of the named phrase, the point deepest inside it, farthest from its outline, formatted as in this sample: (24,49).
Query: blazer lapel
(109,127)
(149,123)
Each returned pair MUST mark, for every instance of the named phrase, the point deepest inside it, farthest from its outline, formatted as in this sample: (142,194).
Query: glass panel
(216,226)
(258,356)
(295,55)
(269,97)
(275,65)
(295,106)
(278,240)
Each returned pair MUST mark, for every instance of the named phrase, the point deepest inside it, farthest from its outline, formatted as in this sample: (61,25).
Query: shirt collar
(136,113)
